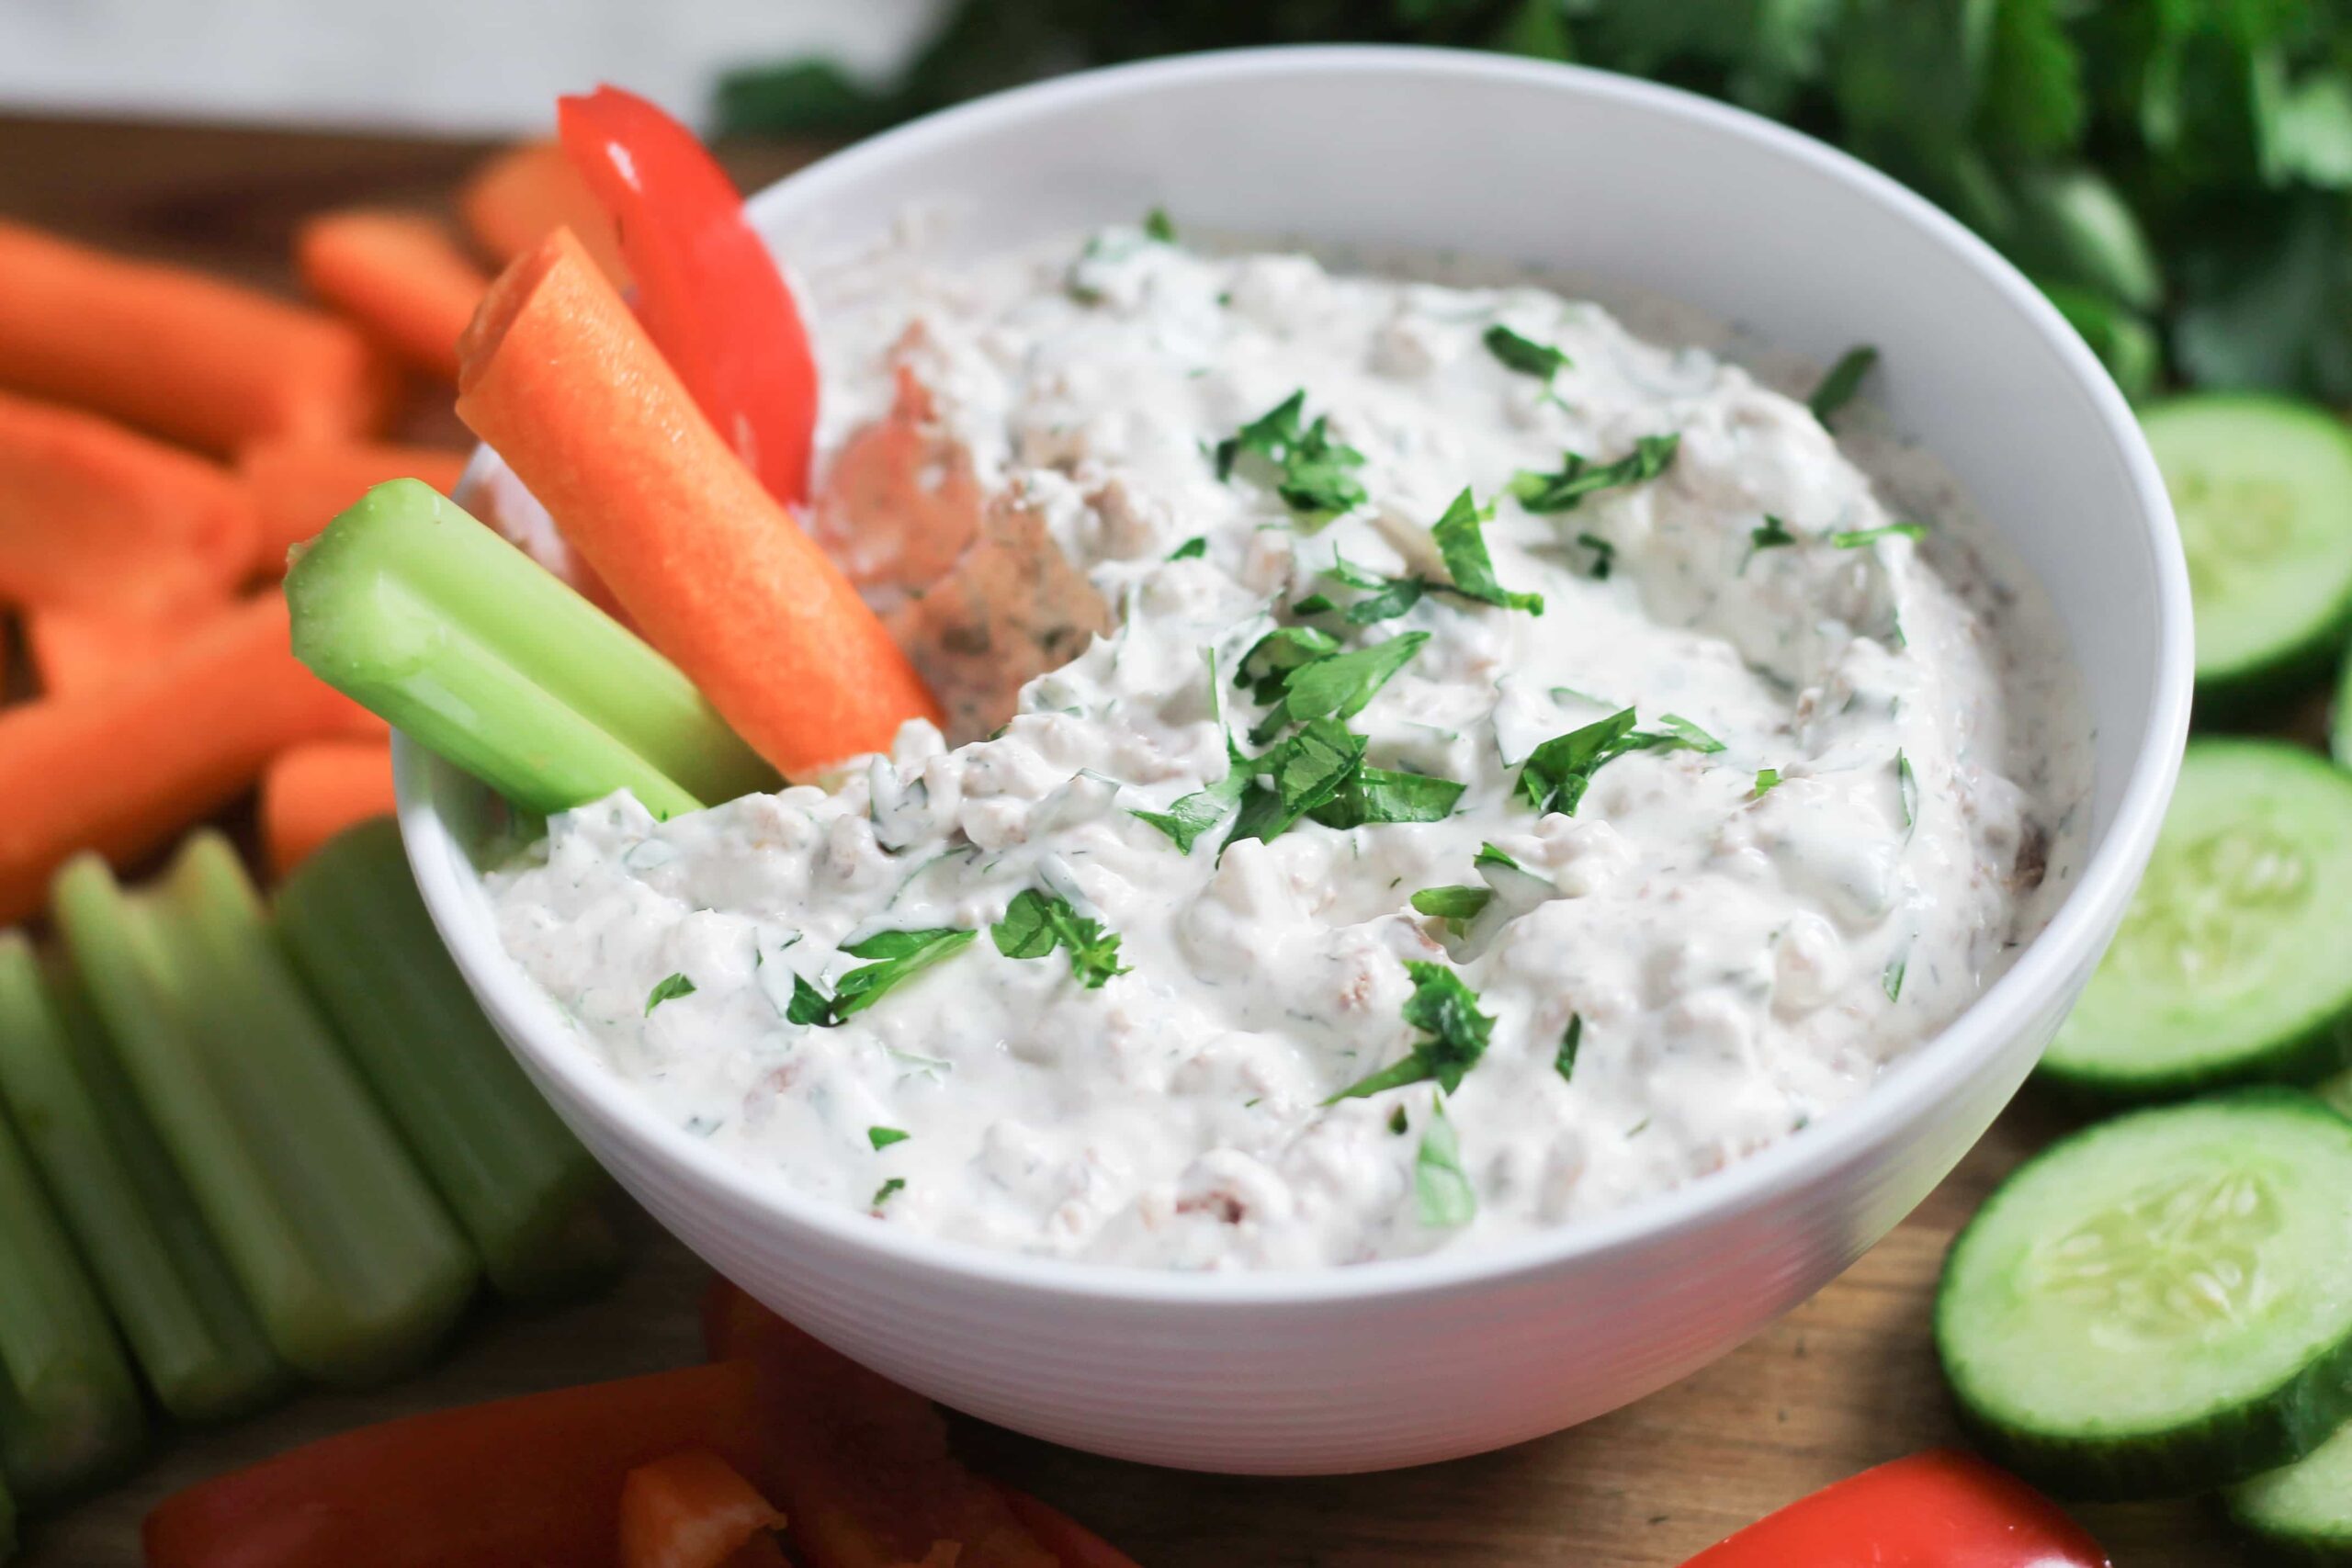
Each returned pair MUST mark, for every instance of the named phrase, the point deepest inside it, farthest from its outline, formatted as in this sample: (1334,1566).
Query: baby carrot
(175,352)
(690,1510)
(521,196)
(398,274)
(561,378)
(122,768)
(299,486)
(310,792)
(94,516)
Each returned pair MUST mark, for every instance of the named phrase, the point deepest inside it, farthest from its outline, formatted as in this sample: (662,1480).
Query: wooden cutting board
(1847,1380)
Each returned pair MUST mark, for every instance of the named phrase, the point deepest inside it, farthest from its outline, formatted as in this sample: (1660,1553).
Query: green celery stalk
(148,1248)
(354,1267)
(516,1178)
(70,1411)
(418,612)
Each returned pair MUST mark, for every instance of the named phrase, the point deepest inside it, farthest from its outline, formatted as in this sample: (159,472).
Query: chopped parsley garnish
(1489,855)
(1766,778)
(1314,473)
(1906,788)
(1192,548)
(1272,659)
(1463,546)
(1317,684)
(1845,379)
(1035,923)
(882,1137)
(1458,905)
(1196,813)
(1564,1061)
(899,955)
(1524,354)
(1893,978)
(669,990)
(1441,1189)
(1578,477)
(883,1193)
(1381,794)
(1446,1011)
(1604,556)
(1305,771)
(1555,774)
(1158,226)
(1855,539)
(1388,596)
(1398,1121)
(1771,534)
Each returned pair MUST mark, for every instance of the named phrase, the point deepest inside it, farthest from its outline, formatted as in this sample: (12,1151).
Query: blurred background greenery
(2176,174)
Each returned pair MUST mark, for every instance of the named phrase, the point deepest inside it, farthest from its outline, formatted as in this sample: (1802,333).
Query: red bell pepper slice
(707,290)
(534,1480)
(690,1510)
(1938,1509)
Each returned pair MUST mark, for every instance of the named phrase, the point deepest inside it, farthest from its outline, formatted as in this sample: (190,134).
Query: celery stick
(413,609)
(179,1306)
(355,1267)
(70,1413)
(516,1178)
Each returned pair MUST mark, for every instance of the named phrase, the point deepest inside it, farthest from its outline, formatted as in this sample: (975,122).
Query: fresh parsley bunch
(2176,174)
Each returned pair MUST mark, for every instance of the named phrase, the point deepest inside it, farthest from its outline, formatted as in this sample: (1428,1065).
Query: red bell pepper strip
(534,1480)
(690,1510)
(1938,1509)
(1073,1543)
(859,1465)
(710,293)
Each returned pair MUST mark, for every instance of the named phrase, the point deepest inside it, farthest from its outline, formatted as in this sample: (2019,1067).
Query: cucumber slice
(2305,1510)
(2161,1303)
(2262,489)
(2228,968)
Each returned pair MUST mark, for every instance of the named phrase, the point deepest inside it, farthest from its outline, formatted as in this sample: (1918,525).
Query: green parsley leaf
(1305,771)
(1446,1011)
(1334,683)
(1192,548)
(1273,658)
(1457,904)
(1524,354)
(1565,490)
(884,1193)
(1766,778)
(1684,734)
(1489,855)
(1314,477)
(1195,814)
(1463,546)
(674,986)
(1397,1124)
(1158,226)
(1906,785)
(882,1137)
(901,956)
(1845,379)
(1893,979)
(1555,774)
(1441,1189)
(1564,1061)
(1604,555)
(1855,539)
(1770,535)
(1035,923)
(1377,795)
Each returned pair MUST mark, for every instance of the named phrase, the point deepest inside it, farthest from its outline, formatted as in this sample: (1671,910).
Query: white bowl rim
(1934,1071)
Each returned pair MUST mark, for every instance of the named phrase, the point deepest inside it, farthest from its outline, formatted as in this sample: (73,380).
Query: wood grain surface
(1844,1382)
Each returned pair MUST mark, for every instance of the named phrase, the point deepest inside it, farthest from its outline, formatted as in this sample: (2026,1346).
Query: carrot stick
(561,378)
(310,792)
(122,768)
(521,196)
(299,486)
(398,274)
(535,1480)
(175,352)
(94,516)
(76,652)
(860,1464)
(690,1510)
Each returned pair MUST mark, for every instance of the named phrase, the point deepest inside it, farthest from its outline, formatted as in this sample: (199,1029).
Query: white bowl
(1399,1362)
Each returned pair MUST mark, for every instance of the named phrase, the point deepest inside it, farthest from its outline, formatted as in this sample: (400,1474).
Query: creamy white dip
(1736,956)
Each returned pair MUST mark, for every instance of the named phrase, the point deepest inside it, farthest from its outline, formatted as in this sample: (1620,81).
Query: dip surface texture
(1843,797)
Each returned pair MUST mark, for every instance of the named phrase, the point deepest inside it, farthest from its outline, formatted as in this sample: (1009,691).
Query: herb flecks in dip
(1462,768)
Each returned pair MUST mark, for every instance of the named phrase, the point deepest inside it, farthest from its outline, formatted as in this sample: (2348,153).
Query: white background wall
(459,65)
